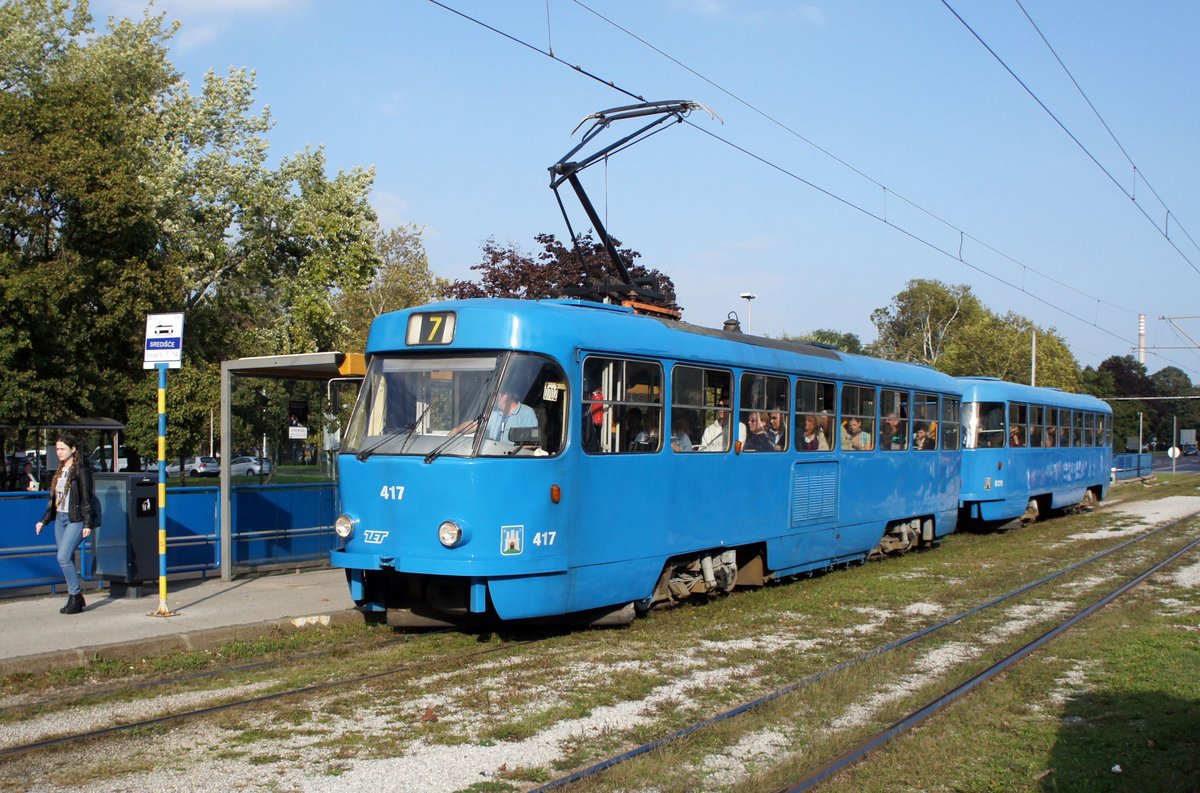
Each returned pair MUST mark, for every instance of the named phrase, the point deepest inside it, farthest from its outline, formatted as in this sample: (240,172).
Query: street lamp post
(747,296)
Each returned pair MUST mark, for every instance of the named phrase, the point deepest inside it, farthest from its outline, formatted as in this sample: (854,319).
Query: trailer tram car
(1029,450)
(520,460)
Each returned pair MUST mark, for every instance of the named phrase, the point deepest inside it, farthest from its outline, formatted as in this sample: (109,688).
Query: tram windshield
(473,405)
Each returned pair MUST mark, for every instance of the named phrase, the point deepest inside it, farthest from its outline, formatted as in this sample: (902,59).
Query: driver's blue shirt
(500,425)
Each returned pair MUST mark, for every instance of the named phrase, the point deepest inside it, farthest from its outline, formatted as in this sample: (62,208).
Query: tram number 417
(394,492)
(544,538)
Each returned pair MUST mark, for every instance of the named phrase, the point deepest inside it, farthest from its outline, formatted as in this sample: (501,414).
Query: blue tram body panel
(1026,444)
(556,528)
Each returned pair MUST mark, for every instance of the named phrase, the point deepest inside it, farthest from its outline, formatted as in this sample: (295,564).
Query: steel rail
(11,751)
(81,697)
(658,743)
(916,717)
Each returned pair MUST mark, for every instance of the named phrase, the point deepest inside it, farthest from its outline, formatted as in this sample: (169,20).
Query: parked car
(1189,449)
(249,466)
(195,466)
(102,458)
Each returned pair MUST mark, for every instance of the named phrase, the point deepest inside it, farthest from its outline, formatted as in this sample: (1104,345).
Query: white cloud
(392,209)
(744,12)
(393,103)
(193,36)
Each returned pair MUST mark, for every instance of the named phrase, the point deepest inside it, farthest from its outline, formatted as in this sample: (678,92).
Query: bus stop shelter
(326,366)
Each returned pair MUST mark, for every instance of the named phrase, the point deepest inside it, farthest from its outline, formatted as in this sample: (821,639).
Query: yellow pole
(163,609)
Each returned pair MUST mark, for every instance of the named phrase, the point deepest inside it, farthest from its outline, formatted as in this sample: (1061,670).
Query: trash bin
(125,547)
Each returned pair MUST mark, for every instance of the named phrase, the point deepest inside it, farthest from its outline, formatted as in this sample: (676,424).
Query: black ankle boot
(70,600)
(75,604)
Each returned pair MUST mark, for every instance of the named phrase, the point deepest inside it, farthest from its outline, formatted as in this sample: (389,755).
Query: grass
(1122,679)
(281,475)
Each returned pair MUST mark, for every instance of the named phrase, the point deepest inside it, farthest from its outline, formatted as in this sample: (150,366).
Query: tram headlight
(449,533)
(344,526)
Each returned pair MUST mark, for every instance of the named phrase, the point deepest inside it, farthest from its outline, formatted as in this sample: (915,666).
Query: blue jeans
(68,537)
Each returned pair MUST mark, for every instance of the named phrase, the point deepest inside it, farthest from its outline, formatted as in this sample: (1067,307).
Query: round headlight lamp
(344,526)
(449,533)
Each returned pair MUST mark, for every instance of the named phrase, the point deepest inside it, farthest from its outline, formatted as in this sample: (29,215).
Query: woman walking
(70,508)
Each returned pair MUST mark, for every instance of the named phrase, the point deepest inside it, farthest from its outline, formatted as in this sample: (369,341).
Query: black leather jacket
(81,488)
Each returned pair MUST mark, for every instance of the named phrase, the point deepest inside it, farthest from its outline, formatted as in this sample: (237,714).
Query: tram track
(455,692)
(8,752)
(843,760)
(939,703)
(79,695)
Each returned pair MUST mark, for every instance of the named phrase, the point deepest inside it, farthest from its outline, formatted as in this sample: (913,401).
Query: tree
(509,272)
(401,279)
(123,194)
(1172,415)
(1002,347)
(948,328)
(1123,376)
(844,342)
(921,320)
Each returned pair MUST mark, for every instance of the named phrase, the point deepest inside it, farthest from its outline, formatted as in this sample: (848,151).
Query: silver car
(249,466)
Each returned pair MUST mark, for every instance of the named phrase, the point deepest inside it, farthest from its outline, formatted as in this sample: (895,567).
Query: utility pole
(1033,364)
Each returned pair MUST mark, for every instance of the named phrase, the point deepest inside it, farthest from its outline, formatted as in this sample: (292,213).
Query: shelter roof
(304,366)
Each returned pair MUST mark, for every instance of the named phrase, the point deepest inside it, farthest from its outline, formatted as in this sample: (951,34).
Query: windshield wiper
(412,428)
(476,425)
(363,454)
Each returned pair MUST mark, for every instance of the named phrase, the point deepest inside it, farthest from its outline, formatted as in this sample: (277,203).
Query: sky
(857,145)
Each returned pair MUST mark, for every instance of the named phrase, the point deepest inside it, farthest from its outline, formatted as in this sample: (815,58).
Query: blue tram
(1030,450)
(537,459)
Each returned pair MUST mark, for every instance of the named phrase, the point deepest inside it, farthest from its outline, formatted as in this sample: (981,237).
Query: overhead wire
(1165,230)
(840,161)
(957,256)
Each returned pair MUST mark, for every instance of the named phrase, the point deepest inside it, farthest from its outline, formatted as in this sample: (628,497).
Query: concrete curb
(203,639)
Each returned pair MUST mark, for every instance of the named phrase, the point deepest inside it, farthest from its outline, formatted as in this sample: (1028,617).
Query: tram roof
(994,389)
(564,327)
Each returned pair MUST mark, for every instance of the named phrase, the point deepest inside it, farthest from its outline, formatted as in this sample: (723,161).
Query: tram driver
(508,413)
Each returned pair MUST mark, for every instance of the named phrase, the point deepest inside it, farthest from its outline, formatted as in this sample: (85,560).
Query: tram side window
(1089,429)
(989,431)
(925,422)
(858,418)
(700,412)
(622,406)
(893,427)
(951,424)
(814,416)
(1036,425)
(1018,424)
(764,407)
(1050,438)
(1077,432)
(1107,430)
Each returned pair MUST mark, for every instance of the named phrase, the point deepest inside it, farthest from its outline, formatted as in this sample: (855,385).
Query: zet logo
(375,537)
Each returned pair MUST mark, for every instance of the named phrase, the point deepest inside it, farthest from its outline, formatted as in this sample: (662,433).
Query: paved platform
(34,636)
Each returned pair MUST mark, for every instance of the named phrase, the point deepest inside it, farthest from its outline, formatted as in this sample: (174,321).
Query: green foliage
(1125,377)
(401,279)
(947,327)
(123,194)
(845,342)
